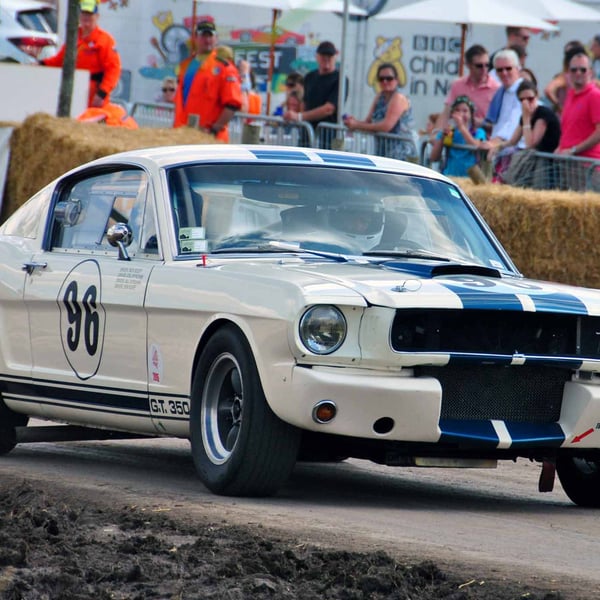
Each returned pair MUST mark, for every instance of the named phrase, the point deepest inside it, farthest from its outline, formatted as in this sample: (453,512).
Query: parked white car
(28,31)
(275,304)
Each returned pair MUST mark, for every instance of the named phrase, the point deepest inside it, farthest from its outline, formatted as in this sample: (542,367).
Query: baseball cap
(206,27)
(90,6)
(326,48)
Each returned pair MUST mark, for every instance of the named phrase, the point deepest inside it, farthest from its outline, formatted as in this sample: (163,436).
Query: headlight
(323,329)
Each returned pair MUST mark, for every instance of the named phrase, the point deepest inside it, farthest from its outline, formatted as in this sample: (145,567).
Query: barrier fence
(527,168)
(147,114)
(537,170)
(246,128)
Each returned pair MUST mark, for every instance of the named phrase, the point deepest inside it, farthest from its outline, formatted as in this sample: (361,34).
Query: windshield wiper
(420,253)
(276,246)
(291,247)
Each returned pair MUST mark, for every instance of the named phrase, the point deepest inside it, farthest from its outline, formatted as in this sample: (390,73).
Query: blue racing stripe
(535,434)
(281,155)
(559,302)
(475,297)
(477,359)
(346,159)
(477,292)
(554,361)
(468,433)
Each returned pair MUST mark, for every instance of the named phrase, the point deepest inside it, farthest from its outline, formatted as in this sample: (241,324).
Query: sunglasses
(480,65)
(290,84)
(580,69)
(500,69)
(165,90)
(528,98)
(386,78)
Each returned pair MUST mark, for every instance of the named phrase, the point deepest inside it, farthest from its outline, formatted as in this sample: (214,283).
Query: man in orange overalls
(208,90)
(96,53)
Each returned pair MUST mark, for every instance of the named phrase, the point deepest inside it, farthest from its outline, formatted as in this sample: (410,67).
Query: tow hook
(547,475)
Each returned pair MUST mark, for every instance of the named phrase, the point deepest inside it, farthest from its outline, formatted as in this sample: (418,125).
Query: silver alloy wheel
(222,408)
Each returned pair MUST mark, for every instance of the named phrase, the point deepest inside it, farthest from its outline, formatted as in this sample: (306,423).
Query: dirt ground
(59,544)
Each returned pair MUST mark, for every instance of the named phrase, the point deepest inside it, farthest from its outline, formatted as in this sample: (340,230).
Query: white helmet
(360,222)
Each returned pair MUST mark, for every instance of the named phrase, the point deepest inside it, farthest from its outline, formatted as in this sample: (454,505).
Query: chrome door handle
(30,267)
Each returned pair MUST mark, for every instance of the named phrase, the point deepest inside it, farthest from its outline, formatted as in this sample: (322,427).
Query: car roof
(23,5)
(167,156)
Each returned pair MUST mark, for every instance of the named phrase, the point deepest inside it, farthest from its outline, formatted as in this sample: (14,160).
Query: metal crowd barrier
(147,114)
(548,171)
(542,171)
(339,137)
(560,172)
(246,128)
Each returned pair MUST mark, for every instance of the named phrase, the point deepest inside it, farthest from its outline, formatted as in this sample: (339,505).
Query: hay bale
(551,234)
(44,147)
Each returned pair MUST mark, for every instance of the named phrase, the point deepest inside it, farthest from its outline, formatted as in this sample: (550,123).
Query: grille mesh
(520,393)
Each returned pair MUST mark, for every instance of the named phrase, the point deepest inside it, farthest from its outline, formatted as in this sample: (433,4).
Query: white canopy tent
(466,13)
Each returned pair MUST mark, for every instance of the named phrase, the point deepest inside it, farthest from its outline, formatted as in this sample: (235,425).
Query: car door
(85,302)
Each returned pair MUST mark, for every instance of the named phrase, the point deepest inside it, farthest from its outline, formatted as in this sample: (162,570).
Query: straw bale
(44,147)
(550,234)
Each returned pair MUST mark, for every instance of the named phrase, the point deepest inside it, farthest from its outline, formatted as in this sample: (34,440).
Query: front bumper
(413,406)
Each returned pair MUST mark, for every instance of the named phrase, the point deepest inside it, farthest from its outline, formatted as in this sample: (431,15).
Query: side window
(87,209)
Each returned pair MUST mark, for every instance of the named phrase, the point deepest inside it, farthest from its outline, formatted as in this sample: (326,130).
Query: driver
(359,222)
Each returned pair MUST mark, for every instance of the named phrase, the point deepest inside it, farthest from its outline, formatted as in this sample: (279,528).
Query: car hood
(428,284)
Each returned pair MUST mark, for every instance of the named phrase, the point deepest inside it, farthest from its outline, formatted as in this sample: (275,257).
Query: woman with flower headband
(390,113)
(460,131)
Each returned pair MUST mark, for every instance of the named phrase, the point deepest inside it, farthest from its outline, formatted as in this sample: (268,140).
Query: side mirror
(120,235)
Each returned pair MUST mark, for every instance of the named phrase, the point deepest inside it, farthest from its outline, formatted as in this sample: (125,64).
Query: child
(459,131)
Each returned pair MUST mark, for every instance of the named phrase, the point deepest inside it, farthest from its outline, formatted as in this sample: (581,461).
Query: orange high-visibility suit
(254,103)
(97,54)
(215,86)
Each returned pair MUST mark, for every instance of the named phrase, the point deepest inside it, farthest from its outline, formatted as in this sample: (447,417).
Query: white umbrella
(559,10)
(465,13)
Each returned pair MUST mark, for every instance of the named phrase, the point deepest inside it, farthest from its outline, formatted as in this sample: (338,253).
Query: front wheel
(580,478)
(240,447)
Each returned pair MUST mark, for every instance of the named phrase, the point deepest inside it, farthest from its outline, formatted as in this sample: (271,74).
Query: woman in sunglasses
(168,89)
(390,113)
(539,126)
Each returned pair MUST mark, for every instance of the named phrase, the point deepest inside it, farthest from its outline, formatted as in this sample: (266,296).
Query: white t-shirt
(510,113)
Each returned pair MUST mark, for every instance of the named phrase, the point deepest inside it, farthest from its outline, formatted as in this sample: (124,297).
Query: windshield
(244,207)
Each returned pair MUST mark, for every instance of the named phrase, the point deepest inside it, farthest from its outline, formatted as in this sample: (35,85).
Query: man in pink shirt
(478,86)
(580,119)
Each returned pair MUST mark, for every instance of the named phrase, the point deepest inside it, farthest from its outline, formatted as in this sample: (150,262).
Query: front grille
(496,332)
(528,394)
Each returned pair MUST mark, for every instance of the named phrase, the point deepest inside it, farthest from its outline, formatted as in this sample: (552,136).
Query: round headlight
(322,329)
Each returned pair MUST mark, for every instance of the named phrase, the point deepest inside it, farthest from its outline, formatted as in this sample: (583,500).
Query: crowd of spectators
(491,114)
(501,95)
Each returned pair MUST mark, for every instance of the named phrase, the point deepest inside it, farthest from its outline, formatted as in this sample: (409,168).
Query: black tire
(9,420)
(240,447)
(580,478)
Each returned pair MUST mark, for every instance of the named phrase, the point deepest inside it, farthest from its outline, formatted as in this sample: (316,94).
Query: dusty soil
(60,543)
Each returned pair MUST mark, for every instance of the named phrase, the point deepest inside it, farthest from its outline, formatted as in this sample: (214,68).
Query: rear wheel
(240,447)
(9,420)
(580,478)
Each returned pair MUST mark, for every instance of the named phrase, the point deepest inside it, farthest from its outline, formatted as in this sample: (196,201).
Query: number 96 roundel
(82,318)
